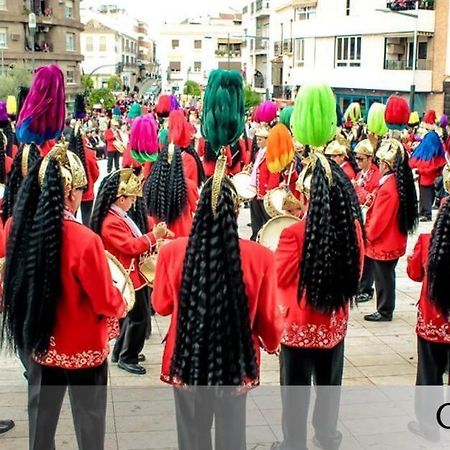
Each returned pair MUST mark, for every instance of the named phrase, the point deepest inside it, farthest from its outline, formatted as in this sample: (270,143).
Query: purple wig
(174,103)
(42,115)
(3,113)
(444,120)
(144,139)
(267,112)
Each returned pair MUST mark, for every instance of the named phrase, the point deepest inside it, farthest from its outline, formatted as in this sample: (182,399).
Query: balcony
(224,54)
(261,45)
(405,5)
(262,8)
(422,64)
(258,82)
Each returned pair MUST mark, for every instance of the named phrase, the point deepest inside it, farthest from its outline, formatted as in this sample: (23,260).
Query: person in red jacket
(338,150)
(119,217)
(263,180)
(366,183)
(319,247)
(429,264)
(111,136)
(220,293)
(391,217)
(209,158)
(59,266)
(169,195)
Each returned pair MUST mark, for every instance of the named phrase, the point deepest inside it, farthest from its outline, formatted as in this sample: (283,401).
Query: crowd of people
(341,188)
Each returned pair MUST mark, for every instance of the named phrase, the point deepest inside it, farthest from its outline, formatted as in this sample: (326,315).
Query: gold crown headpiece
(446,177)
(388,151)
(339,146)
(304,181)
(72,169)
(364,148)
(130,184)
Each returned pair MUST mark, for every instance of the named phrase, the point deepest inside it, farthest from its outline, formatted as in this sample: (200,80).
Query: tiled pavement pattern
(375,355)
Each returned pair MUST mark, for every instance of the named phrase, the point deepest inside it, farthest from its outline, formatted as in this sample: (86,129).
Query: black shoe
(6,425)
(135,369)
(363,298)
(141,358)
(432,436)
(377,317)
(114,358)
(424,219)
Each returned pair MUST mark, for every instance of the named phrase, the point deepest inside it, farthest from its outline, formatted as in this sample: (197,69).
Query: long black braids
(329,271)
(138,214)
(76,146)
(439,262)
(214,344)
(352,160)
(15,179)
(106,196)
(210,154)
(8,131)
(32,282)
(3,146)
(200,171)
(408,213)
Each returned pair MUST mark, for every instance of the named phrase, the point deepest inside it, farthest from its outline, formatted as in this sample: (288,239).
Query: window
(348,51)
(347,7)
(3,4)
(175,44)
(422,50)
(252,7)
(70,42)
(70,75)
(197,66)
(3,37)
(69,9)
(299,56)
(89,44)
(197,44)
(305,13)
(102,44)
(175,66)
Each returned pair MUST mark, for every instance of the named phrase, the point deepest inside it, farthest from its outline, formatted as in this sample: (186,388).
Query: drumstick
(291,169)
(127,271)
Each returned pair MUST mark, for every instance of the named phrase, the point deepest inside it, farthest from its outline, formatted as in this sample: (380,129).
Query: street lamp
(412,95)
(32,27)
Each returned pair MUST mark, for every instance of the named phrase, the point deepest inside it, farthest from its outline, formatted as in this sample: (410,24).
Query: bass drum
(274,200)
(270,233)
(121,280)
(241,182)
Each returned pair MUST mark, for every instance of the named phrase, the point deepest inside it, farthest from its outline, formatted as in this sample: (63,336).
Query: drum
(273,202)
(270,233)
(148,262)
(241,183)
(122,281)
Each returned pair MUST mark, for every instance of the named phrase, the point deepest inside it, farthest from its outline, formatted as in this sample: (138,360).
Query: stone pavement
(140,409)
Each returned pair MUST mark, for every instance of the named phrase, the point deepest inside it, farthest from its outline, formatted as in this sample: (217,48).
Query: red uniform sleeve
(163,296)
(415,267)
(92,166)
(201,148)
(359,234)
(95,278)
(193,195)
(381,216)
(287,258)
(268,324)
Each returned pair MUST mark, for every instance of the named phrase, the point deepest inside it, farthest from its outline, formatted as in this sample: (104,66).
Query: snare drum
(121,280)
(270,233)
(241,182)
(273,202)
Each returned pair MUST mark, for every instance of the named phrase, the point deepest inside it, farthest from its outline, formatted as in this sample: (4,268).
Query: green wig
(313,121)
(353,113)
(135,111)
(375,119)
(285,116)
(223,116)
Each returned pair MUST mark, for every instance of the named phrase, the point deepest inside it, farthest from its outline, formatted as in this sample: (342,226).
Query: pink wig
(267,112)
(144,135)
(42,115)
(163,106)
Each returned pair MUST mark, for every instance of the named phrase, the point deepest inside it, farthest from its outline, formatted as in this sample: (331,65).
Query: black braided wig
(2,161)
(210,154)
(76,146)
(214,341)
(439,262)
(200,171)
(10,136)
(165,191)
(15,179)
(330,267)
(138,214)
(106,196)
(32,282)
(408,213)
(352,161)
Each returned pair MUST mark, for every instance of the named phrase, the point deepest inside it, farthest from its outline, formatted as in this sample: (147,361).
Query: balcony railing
(422,64)
(405,5)
(258,82)
(261,4)
(261,44)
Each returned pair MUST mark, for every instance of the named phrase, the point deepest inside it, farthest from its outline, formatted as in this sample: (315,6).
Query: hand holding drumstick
(160,231)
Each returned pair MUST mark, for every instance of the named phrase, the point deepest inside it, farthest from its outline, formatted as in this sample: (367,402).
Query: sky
(156,12)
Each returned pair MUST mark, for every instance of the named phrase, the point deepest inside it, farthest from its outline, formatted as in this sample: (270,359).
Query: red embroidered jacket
(120,241)
(384,240)
(110,137)
(367,183)
(190,167)
(303,326)
(431,324)
(265,180)
(92,175)
(349,170)
(80,336)
(259,279)
(209,166)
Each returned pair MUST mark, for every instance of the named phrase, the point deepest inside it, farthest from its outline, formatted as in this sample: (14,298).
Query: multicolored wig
(353,113)
(397,113)
(144,139)
(280,148)
(43,113)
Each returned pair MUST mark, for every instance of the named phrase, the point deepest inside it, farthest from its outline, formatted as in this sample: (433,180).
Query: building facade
(191,49)
(56,39)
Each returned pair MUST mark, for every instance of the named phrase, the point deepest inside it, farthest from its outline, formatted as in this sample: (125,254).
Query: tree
(251,97)
(12,79)
(88,83)
(114,83)
(192,88)
(109,100)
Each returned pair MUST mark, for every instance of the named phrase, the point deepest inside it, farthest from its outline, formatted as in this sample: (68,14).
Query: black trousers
(87,391)
(384,273)
(367,279)
(195,411)
(86,211)
(426,200)
(432,360)
(113,157)
(298,368)
(133,330)
(258,217)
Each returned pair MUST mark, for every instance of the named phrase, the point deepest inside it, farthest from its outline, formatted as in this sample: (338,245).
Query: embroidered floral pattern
(383,255)
(312,335)
(437,331)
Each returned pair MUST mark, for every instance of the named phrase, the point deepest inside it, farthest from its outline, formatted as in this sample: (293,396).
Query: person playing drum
(119,217)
